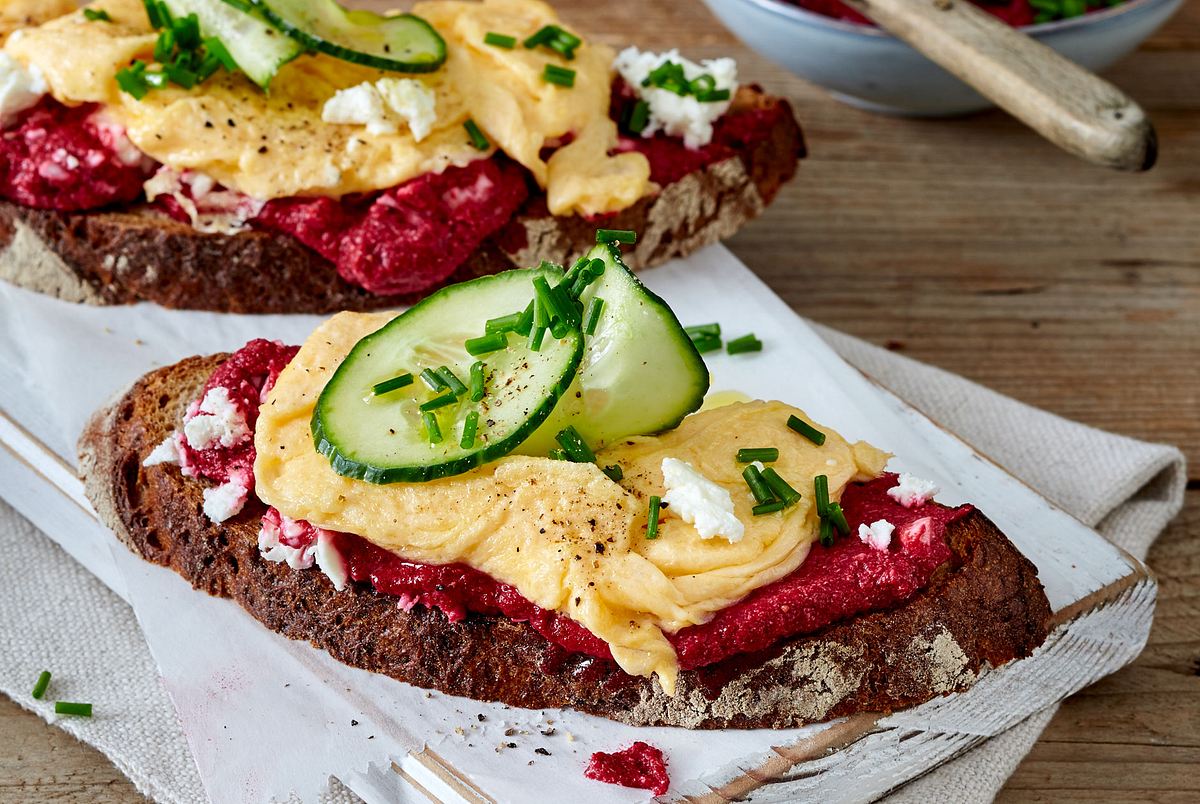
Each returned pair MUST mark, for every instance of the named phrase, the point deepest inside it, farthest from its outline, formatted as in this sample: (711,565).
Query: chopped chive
(746,343)
(431,427)
(477,137)
(626,236)
(536,335)
(164,46)
(768,507)
(639,117)
(181,75)
(652,519)
(703,330)
(826,533)
(554,305)
(435,382)
(702,83)
(574,445)
(526,322)
(559,40)
(713,96)
(394,384)
(560,76)
(763,454)
(470,425)
(451,379)
(156,78)
(68,708)
(486,344)
(807,430)
(499,40)
(132,80)
(216,48)
(615,473)
(439,402)
(538,326)
(43,681)
(669,76)
(154,12)
(582,275)
(706,343)
(780,487)
(557,455)
(835,515)
(505,323)
(821,494)
(476,381)
(758,487)
(593,315)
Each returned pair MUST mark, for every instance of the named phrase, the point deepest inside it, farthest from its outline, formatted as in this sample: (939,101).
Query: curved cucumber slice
(640,373)
(402,43)
(253,43)
(384,438)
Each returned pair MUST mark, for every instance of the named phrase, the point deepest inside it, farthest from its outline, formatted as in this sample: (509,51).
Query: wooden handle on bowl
(1073,108)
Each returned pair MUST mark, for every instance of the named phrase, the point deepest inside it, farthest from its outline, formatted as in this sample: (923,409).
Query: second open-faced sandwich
(286,156)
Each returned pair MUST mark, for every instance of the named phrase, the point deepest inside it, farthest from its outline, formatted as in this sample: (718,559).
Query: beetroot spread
(66,158)
(641,765)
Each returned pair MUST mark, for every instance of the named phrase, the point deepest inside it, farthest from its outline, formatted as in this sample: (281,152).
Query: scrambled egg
(16,14)
(566,536)
(275,144)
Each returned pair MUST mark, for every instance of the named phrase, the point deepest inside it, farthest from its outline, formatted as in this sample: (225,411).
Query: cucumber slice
(382,438)
(402,43)
(640,373)
(254,44)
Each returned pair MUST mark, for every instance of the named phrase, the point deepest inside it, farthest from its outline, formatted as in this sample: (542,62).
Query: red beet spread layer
(832,584)
(404,239)
(641,765)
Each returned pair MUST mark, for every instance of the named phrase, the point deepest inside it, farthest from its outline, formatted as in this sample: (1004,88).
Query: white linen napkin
(58,616)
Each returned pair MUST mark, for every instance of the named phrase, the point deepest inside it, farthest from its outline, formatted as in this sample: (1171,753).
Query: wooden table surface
(974,246)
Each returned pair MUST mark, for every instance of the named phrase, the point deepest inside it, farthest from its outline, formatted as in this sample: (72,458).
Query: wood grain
(976,246)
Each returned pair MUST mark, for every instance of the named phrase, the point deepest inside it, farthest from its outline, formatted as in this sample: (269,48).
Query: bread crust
(985,608)
(140,254)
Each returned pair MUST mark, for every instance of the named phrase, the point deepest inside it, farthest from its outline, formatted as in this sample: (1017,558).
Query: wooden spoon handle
(1073,108)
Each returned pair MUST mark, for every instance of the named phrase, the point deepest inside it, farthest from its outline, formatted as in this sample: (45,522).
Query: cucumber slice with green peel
(255,44)
(401,43)
(383,438)
(640,372)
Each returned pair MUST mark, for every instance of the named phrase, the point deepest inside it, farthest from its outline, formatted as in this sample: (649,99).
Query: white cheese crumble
(700,501)
(209,209)
(20,88)
(381,105)
(273,549)
(911,490)
(673,114)
(877,535)
(331,561)
(226,500)
(166,452)
(217,422)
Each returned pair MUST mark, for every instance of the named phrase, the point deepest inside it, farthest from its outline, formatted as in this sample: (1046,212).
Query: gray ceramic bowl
(870,68)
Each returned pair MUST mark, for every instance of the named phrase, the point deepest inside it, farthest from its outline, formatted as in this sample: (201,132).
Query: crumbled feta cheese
(20,88)
(381,105)
(217,422)
(210,210)
(226,500)
(331,561)
(673,114)
(274,549)
(166,452)
(878,534)
(912,490)
(700,501)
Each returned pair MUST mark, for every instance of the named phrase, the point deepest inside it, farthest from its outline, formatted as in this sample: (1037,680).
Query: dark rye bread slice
(140,254)
(987,609)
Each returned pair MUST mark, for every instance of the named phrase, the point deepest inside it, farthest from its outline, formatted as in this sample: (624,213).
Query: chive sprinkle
(535,338)
(476,381)
(639,117)
(703,330)
(615,473)
(574,445)
(768,507)
(43,681)
(96,14)
(451,379)
(593,315)
(505,323)
(713,96)
(625,236)
(431,379)
(557,455)
(706,343)
(780,487)
(758,487)
(560,76)
(431,427)
(807,430)
(838,518)
(561,41)
(652,519)
(763,454)
(439,402)
(132,80)
(538,327)
(499,40)
(470,425)
(826,533)
(477,137)
(746,343)
(525,324)
(394,384)
(68,708)
(486,344)
(821,494)
(555,307)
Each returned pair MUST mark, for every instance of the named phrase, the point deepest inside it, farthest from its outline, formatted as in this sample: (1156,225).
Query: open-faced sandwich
(514,492)
(290,156)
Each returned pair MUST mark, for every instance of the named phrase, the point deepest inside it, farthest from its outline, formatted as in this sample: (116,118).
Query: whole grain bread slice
(140,254)
(985,608)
